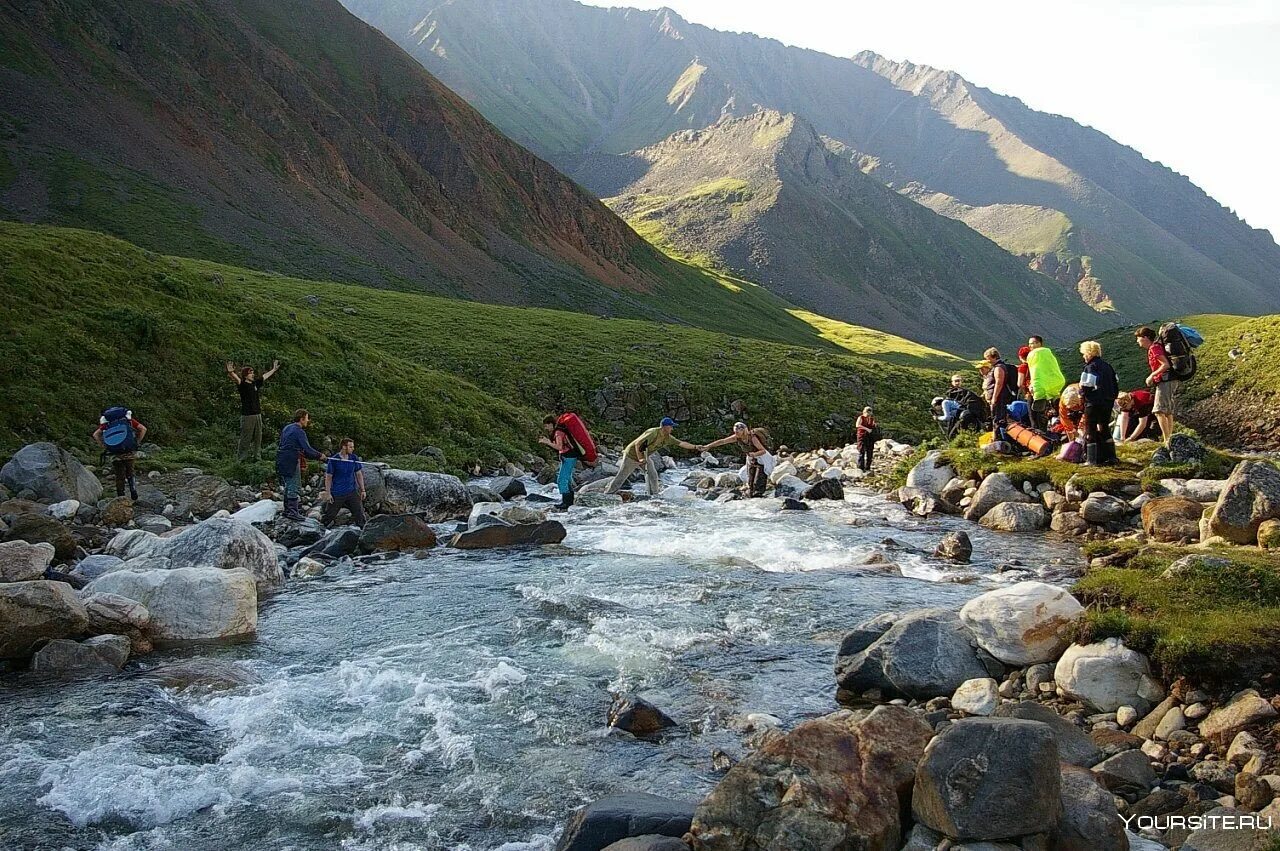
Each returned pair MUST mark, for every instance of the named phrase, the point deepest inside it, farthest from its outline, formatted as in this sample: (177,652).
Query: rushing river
(458,701)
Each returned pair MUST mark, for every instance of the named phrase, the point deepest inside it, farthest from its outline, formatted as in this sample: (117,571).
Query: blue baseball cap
(667,421)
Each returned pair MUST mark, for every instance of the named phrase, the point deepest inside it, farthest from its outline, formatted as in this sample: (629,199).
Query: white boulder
(1107,675)
(1023,624)
(978,696)
(262,511)
(188,603)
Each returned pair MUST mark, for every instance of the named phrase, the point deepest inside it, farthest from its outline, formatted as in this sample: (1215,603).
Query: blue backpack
(118,436)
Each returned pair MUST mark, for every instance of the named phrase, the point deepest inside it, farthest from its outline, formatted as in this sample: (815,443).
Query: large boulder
(1103,508)
(955,546)
(499,533)
(931,475)
(1170,519)
(203,496)
(112,613)
(989,778)
(825,489)
(832,783)
(995,489)
(1023,624)
(227,545)
(1074,747)
(1089,821)
(336,543)
(396,533)
(50,473)
(1016,517)
(62,657)
(437,496)
(1250,496)
(133,543)
(31,612)
(1107,675)
(40,528)
(608,820)
(188,603)
(23,562)
(927,653)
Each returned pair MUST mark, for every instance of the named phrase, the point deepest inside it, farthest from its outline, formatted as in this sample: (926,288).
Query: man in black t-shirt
(250,386)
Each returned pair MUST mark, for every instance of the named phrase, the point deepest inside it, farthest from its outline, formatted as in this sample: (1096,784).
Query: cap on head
(667,421)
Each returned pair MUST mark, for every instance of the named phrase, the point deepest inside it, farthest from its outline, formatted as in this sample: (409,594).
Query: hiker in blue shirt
(344,484)
(294,443)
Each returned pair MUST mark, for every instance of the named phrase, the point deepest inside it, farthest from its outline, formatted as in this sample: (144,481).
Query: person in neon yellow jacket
(1047,382)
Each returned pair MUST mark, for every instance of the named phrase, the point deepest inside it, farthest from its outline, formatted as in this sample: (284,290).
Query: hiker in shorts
(562,442)
(759,461)
(343,484)
(249,384)
(294,447)
(1164,388)
(643,451)
(119,434)
(1045,382)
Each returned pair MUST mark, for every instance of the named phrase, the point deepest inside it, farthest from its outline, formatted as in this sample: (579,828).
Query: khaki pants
(250,437)
(629,466)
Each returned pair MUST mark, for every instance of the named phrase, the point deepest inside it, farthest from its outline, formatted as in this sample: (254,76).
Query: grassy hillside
(92,321)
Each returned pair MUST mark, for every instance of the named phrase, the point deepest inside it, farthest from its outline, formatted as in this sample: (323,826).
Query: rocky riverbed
(380,689)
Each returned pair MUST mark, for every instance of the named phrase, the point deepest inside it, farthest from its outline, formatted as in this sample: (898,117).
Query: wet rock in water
(225,544)
(995,489)
(298,533)
(989,778)
(1023,624)
(955,546)
(1244,709)
(638,716)
(24,562)
(396,533)
(336,543)
(507,487)
(502,534)
(214,674)
(1016,517)
(790,504)
(649,842)
(118,512)
(930,474)
(1074,746)
(307,568)
(1170,519)
(927,653)
(834,782)
(509,513)
(38,528)
(1107,675)
(791,486)
(1089,821)
(436,496)
(203,496)
(98,655)
(597,500)
(479,493)
(1250,496)
(616,817)
(50,473)
(189,603)
(31,612)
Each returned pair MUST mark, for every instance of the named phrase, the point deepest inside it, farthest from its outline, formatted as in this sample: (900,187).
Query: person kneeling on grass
(644,451)
(293,447)
(344,484)
(562,442)
(760,461)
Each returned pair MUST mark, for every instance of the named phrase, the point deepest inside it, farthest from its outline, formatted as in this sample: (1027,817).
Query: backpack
(1178,346)
(579,436)
(118,436)
(762,434)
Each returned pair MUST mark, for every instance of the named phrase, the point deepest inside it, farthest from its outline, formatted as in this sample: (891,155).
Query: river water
(458,701)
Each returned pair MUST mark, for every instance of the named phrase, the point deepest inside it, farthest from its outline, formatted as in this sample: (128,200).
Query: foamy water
(458,701)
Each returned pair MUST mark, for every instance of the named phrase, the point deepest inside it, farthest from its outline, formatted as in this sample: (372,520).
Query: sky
(1192,85)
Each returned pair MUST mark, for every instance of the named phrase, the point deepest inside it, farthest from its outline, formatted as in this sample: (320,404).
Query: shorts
(1165,395)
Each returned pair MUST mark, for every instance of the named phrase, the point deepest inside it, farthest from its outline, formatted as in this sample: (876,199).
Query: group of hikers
(1032,404)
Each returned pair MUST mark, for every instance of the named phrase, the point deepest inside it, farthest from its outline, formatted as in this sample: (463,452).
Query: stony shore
(1001,726)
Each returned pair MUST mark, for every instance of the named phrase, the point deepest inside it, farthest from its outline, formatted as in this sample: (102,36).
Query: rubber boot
(1091,455)
(566,500)
(293,508)
(133,491)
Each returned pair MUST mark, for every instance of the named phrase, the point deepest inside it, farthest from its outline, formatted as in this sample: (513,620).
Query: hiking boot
(566,501)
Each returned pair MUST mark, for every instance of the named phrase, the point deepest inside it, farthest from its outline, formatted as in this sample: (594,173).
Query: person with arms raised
(249,386)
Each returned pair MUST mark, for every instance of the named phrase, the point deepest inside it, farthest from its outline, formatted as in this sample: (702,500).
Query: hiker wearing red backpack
(572,441)
(119,434)
(1164,385)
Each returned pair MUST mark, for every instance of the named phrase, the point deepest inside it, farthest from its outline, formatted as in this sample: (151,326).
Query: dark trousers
(1097,432)
(757,481)
(351,502)
(1042,411)
(865,450)
(122,466)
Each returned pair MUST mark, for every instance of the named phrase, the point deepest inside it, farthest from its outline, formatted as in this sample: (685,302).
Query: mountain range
(597,91)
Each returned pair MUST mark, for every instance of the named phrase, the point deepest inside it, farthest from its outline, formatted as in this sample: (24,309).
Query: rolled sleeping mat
(1032,441)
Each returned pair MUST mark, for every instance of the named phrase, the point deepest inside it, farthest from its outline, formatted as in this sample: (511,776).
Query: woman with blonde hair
(1099,386)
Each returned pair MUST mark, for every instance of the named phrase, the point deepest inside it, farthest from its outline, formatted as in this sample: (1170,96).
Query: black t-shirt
(250,403)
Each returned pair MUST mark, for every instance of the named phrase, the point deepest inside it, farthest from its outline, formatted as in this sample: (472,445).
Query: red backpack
(580,436)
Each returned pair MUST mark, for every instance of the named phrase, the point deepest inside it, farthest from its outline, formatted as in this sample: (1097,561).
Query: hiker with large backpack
(249,386)
(1045,383)
(292,447)
(119,435)
(1162,380)
(572,441)
(1003,387)
(755,451)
